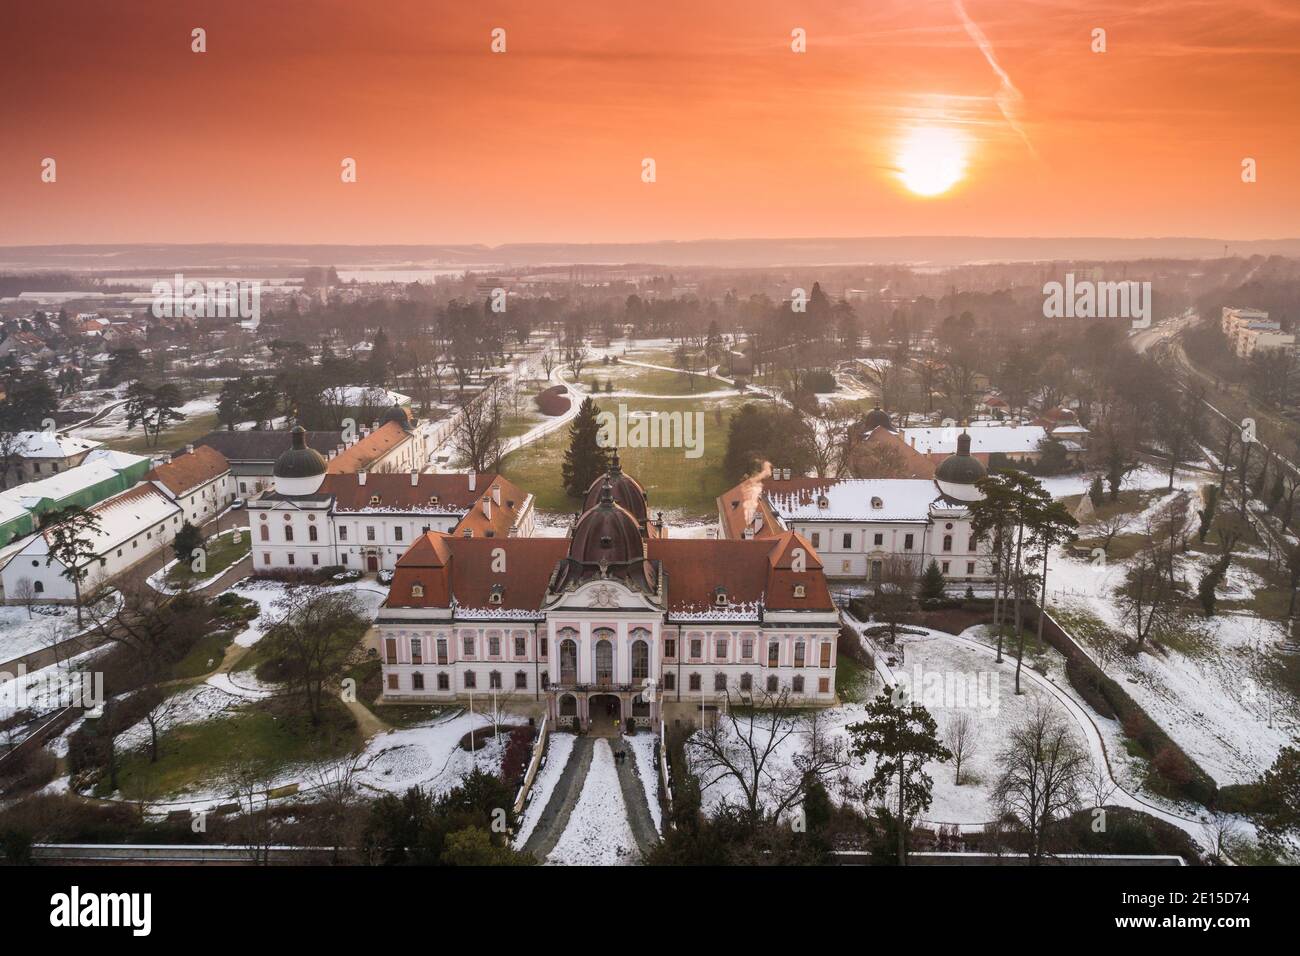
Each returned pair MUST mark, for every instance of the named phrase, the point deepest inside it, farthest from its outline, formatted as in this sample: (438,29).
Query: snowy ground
(947,677)
(598,833)
(47,625)
(114,426)
(558,748)
(429,756)
(370,593)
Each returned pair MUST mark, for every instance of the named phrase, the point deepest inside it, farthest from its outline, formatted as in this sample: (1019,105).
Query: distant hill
(724,253)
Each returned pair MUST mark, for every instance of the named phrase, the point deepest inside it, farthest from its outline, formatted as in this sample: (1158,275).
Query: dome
(607,533)
(957,474)
(300,470)
(876,418)
(626,491)
(400,415)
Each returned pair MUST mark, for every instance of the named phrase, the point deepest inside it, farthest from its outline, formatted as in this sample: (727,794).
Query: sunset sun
(932,159)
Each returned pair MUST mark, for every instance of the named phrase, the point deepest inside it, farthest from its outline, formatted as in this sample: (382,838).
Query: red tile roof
(365,451)
(191,470)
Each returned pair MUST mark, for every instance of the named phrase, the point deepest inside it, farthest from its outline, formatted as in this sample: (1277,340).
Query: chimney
(415,478)
(487,508)
(473,480)
(749,534)
(340,447)
(189,449)
(361,477)
(496,495)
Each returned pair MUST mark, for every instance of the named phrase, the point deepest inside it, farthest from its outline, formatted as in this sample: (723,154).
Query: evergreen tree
(1097,491)
(586,460)
(932,582)
(186,540)
(71,533)
(902,736)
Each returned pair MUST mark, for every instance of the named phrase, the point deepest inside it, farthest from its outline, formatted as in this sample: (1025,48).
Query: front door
(372,562)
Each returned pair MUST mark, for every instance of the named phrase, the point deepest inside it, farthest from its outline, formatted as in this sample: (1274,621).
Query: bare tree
(1149,603)
(961,737)
(477,432)
(740,747)
(1099,784)
(313,637)
(1223,833)
(1042,768)
(25,594)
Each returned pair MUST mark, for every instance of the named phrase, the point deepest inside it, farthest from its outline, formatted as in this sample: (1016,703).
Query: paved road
(636,801)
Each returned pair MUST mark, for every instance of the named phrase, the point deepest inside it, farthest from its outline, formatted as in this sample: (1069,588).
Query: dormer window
(374,499)
(877,503)
(433,499)
(417,590)
(823,501)
(469,532)
(720,596)
(495,596)
(800,591)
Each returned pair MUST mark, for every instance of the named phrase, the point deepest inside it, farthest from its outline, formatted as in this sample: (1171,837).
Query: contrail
(1008,97)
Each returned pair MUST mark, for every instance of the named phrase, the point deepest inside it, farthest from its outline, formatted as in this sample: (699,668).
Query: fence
(531,774)
(57,723)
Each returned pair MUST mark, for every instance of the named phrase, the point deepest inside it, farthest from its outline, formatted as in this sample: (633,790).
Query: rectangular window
(494,680)
(907,542)
(970,568)
(343,532)
(521,647)
(720,648)
(266,556)
(773,654)
(545,643)
(747,649)
(746,682)
(670,647)
(697,648)
(467,645)
(416,656)
(798,653)
(823,685)
(315,558)
(390,650)
(521,680)
(848,539)
(370,532)
(695,682)
(417,681)
(392,682)
(670,681)
(796,685)
(265,533)
(816,539)
(397,534)
(719,682)
(945,567)
(494,646)
(291,558)
(443,682)
(442,651)
(878,540)
(772,684)
(826,654)
(970,545)
(471,680)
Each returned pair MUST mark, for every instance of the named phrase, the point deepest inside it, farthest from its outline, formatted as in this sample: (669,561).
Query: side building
(857,525)
(314,518)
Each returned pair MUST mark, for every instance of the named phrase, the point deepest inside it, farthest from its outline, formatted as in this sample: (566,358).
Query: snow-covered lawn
(48,624)
(429,756)
(558,748)
(371,594)
(598,833)
(1209,695)
(948,677)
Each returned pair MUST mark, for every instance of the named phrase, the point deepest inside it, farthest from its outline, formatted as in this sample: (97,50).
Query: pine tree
(932,582)
(1096,491)
(586,460)
(187,539)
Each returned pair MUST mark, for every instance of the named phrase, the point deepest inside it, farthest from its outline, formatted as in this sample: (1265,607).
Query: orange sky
(545,142)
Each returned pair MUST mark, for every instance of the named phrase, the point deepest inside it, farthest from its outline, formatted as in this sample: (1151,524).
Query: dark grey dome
(875,419)
(961,468)
(626,490)
(400,415)
(299,461)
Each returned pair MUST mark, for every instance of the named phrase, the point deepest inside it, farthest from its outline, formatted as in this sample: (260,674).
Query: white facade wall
(848,549)
(283,537)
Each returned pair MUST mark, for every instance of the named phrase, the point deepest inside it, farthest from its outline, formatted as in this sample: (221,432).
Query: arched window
(604,660)
(39,587)
(568,661)
(568,706)
(640,660)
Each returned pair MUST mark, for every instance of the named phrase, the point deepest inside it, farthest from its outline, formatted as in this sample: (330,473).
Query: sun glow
(932,159)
